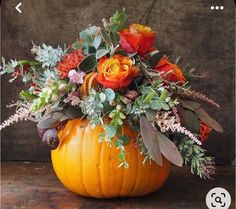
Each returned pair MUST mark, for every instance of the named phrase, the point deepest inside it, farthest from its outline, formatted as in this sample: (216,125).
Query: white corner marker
(17,7)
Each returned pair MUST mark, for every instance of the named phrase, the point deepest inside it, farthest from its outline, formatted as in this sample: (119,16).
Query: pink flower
(73,98)
(76,77)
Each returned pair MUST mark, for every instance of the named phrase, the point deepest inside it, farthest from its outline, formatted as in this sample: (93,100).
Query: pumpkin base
(89,168)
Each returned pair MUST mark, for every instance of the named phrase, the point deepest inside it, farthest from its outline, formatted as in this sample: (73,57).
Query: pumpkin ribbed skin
(90,168)
(89,82)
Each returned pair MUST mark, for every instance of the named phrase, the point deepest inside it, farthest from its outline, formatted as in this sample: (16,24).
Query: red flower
(69,62)
(204,131)
(116,72)
(137,38)
(171,72)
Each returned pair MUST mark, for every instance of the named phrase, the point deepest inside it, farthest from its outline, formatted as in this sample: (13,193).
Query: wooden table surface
(30,185)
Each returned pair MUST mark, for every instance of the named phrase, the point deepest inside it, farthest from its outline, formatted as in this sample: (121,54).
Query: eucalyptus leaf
(86,36)
(106,36)
(164,95)
(110,130)
(110,94)
(164,105)
(205,117)
(97,41)
(169,150)
(102,97)
(101,52)
(88,63)
(149,137)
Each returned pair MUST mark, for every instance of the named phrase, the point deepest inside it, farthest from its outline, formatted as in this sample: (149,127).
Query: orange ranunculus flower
(137,38)
(116,72)
(171,72)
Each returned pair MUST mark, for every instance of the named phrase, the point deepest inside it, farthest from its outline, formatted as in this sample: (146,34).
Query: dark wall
(189,28)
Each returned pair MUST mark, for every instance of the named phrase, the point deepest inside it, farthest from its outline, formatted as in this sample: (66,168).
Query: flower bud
(62,87)
(49,81)
(112,103)
(54,97)
(118,107)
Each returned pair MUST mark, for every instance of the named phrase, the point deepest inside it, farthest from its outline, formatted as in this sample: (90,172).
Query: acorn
(50,137)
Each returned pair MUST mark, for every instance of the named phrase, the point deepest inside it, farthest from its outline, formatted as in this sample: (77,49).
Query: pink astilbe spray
(194,94)
(21,114)
(170,121)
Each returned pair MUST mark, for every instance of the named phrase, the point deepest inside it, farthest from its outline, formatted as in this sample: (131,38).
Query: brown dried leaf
(191,105)
(169,150)
(203,116)
(149,137)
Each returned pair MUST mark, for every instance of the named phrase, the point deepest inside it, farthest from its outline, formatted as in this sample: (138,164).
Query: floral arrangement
(112,75)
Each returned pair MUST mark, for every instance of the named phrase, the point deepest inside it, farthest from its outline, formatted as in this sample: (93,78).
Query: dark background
(189,28)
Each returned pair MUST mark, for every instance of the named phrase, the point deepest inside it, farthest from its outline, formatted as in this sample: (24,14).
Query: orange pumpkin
(88,84)
(90,168)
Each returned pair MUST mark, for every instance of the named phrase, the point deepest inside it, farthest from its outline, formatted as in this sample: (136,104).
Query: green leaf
(88,63)
(77,45)
(107,108)
(27,95)
(155,105)
(150,140)
(102,97)
(164,95)
(203,116)
(118,21)
(157,83)
(101,52)
(122,140)
(106,37)
(164,105)
(149,97)
(97,41)
(110,130)
(86,36)
(125,139)
(121,156)
(169,150)
(110,94)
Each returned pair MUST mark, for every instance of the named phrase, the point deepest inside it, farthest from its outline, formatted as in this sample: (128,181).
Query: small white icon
(217,7)
(218,198)
(17,7)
